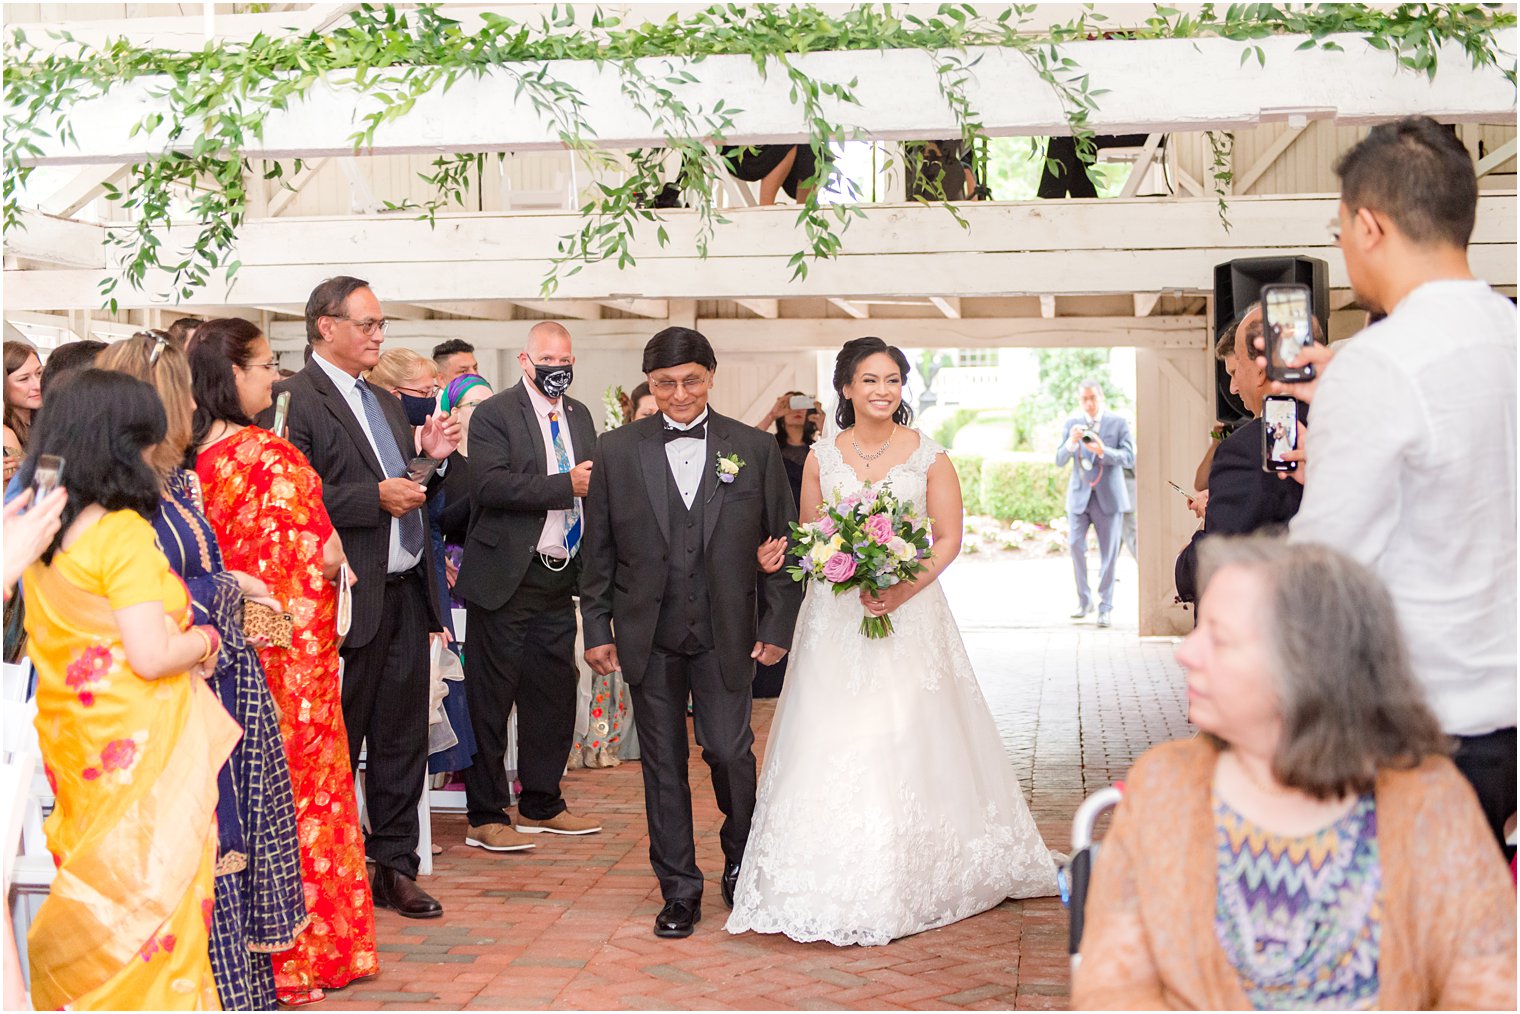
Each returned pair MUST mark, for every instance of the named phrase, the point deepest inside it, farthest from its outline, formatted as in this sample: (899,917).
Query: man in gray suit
(1101,445)
(669,596)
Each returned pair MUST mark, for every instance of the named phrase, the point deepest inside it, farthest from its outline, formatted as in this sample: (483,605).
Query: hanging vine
(215,102)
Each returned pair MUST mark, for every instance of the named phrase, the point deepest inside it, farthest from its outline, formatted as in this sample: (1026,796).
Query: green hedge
(968,467)
(1015,488)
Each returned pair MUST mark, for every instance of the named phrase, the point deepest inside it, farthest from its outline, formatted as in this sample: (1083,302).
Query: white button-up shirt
(687,456)
(1412,472)
(399,560)
(551,541)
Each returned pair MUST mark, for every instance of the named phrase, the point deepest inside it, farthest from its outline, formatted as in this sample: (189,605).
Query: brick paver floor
(567,925)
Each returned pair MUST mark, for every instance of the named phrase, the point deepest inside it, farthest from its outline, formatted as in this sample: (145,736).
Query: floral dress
(260,902)
(265,502)
(133,764)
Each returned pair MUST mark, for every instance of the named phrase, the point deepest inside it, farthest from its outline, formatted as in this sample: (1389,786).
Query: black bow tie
(697,432)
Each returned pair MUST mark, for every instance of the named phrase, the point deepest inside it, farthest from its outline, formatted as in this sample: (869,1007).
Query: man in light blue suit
(1096,496)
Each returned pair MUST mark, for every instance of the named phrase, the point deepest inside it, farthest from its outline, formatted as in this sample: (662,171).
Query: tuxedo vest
(685,623)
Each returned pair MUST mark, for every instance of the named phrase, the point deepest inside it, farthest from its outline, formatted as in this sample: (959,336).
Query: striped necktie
(392,464)
(562,462)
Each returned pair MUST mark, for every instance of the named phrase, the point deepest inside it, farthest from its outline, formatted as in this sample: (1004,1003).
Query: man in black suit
(1242,497)
(670,596)
(357,438)
(530,466)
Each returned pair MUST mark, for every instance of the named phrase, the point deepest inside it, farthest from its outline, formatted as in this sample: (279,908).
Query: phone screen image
(281,409)
(46,477)
(1286,314)
(1279,421)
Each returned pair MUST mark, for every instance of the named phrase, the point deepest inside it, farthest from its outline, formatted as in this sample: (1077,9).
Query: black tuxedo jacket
(1242,499)
(511,492)
(323,427)
(627,522)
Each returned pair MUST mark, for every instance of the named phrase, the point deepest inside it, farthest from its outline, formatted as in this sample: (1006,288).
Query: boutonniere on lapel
(728,467)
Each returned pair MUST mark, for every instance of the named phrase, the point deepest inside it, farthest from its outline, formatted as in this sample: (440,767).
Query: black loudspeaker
(1238,284)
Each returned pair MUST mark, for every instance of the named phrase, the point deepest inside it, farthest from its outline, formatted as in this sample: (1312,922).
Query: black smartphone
(1288,325)
(281,409)
(46,477)
(1279,433)
(421,469)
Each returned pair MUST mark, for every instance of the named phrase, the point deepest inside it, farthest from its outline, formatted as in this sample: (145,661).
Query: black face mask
(418,409)
(553,381)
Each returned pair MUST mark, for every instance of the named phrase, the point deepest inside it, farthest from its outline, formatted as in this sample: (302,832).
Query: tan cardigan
(1448,937)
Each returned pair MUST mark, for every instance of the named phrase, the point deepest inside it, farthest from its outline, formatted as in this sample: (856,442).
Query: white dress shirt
(551,541)
(1412,472)
(399,561)
(687,456)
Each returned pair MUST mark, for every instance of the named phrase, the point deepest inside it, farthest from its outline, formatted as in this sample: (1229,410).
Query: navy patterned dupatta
(260,902)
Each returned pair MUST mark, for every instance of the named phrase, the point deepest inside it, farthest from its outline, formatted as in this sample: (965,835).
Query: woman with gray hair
(1314,847)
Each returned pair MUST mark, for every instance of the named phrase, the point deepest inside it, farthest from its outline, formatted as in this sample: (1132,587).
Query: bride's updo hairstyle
(855,352)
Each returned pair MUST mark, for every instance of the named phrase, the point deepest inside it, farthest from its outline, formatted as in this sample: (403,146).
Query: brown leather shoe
(563,822)
(496,838)
(394,889)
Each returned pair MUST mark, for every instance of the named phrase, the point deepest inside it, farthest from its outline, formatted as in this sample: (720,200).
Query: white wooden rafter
(893,253)
(1275,151)
(1151,86)
(1496,158)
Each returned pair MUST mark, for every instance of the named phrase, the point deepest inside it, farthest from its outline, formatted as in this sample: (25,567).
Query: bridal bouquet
(868,539)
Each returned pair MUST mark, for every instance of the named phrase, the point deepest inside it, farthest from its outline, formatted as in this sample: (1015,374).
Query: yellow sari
(133,763)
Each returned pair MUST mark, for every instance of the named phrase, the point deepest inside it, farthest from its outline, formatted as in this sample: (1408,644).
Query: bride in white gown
(887,804)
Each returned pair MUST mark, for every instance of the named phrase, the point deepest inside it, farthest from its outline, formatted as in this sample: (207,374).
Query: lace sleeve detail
(927,451)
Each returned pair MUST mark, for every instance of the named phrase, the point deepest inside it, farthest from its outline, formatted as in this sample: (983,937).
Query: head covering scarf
(458,386)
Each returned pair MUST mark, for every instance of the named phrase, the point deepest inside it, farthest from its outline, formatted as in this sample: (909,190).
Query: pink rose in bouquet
(878,527)
(841,567)
(826,526)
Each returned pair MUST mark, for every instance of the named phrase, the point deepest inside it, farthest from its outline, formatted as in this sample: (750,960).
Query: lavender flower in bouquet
(869,540)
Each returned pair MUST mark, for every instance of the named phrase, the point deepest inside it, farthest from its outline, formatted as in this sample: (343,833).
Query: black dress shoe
(729,882)
(678,918)
(394,889)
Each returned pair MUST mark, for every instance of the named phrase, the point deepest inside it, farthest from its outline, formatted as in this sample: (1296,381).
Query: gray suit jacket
(624,555)
(1092,476)
(511,491)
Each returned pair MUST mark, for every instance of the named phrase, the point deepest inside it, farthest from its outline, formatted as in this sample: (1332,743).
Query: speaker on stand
(1238,284)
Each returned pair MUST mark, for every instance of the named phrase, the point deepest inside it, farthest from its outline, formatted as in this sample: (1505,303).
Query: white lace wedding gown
(887,804)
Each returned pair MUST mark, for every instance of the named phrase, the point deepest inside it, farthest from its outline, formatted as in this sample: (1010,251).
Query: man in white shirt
(1412,465)
(530,466)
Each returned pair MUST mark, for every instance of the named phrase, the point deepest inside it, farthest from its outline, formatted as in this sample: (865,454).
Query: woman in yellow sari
(131,736)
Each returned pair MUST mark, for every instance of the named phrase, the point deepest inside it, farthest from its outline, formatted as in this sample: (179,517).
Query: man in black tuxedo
(670,596)
(357,437)
(530,465)
(1242,497)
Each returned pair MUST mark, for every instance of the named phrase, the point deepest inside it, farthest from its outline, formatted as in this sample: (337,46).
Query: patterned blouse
(1300,918)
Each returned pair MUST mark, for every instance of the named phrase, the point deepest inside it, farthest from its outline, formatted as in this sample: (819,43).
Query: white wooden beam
(84,188)
(1246,180)
(1150,86)
(950,306)
(486,309)
(1054,248)
(767,309)
(1048,307)
(656,308)
(1494,159)
(53,240)
(793,335)
(574,309)
(854,310)
(292,187)
(1145,303)
(1142,166)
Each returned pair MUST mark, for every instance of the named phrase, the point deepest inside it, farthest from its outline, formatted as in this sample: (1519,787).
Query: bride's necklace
(868,458)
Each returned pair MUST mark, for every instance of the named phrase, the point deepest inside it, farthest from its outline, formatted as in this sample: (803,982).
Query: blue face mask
(418,409)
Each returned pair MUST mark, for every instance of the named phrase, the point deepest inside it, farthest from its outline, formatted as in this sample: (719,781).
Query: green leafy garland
(398,56)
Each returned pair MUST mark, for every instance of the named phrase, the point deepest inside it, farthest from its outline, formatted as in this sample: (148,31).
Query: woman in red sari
(265,502)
